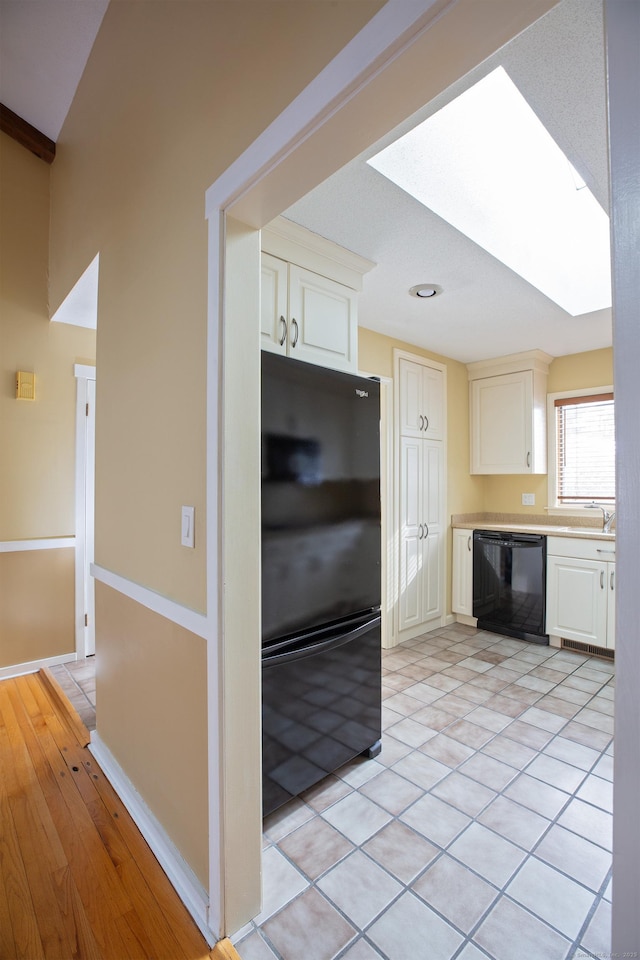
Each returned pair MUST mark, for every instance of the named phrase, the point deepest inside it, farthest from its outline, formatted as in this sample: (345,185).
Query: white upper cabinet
(273,304)
(421,400)
(309,297)
(508,414)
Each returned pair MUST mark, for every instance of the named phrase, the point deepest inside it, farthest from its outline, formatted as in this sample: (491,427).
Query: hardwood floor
(77,880)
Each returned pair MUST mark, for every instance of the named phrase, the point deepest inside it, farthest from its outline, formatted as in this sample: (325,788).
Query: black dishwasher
(509,583)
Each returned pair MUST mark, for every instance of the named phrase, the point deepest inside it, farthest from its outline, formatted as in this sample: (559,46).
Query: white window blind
(586,450)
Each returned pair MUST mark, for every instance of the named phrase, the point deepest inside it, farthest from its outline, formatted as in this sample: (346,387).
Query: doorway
(85,509)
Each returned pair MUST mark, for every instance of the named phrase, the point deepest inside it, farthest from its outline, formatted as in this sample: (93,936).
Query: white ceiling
(44,47)
(485,309)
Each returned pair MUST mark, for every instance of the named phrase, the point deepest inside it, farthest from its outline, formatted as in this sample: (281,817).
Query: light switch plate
(528,499)
(188,539)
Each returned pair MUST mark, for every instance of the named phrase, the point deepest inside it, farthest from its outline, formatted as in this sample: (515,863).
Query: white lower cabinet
(420,555)
(581,591)
(462,573)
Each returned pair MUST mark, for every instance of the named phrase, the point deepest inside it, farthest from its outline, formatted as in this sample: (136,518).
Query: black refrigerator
(321,584)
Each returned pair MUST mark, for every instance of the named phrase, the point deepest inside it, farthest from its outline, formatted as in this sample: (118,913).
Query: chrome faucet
(607,516)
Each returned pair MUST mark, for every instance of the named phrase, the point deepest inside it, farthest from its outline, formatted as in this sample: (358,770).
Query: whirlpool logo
(362,393)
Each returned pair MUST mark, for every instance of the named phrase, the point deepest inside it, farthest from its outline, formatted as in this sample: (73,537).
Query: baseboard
(19,669)
(467,620)
(184,881)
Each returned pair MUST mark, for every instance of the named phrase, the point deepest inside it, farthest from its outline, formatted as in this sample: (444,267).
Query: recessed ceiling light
(425,290)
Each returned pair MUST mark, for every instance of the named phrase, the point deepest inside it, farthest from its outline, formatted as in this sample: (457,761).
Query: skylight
(487,165)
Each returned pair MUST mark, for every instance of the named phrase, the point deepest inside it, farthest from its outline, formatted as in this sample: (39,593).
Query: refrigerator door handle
(312,649)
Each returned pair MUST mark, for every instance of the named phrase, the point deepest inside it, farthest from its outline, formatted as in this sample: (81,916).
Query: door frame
(85,631)
(339,114)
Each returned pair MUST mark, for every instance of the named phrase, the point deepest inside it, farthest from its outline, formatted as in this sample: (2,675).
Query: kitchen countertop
(516,523)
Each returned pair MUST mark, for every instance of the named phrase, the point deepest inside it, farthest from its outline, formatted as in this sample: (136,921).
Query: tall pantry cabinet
(420,486)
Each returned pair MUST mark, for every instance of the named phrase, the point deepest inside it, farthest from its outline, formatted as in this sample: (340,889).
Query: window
(583,435)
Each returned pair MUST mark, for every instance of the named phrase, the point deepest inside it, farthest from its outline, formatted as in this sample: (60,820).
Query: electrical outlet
(528,499)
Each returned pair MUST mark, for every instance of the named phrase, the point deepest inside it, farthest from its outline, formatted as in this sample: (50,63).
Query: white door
(85,509)
(411,530)
(89,515)
(432,497)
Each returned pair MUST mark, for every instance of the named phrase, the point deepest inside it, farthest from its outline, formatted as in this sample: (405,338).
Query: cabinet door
(501,424)
(420,501)
(421,400)
(273,304)
(462,573)
(432,498)
(410,561)
(577,594)
(611,605)
(323,323)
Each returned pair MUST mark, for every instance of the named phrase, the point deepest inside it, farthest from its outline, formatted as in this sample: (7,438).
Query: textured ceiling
(485,309)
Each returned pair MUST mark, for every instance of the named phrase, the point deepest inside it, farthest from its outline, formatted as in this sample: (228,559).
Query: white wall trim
(191,620)
(383,39)
(186,884)
(32,666)
(51,543)
(84,370)
(389,33)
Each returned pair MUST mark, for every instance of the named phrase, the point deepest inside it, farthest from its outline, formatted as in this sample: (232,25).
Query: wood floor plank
(161,890)
(52,928)
(62,703)
(78,880)
(26,936)
(85,854)
(224,950)
(71,907)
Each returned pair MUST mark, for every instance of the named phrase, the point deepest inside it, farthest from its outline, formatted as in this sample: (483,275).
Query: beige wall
(172,93)
(37,438)
(37,616)
(591,369)
(151,703)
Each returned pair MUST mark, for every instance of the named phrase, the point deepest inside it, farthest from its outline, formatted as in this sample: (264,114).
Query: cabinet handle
(421,422)
(426,530)
(284,330)
(612,552)
(469,544)
(602,579)
(426,423)
(528,458)
(294,324)
(611,579)
(419,531)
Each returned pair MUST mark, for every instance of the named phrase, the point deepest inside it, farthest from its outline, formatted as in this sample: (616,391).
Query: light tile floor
(482,830)
(78,681)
